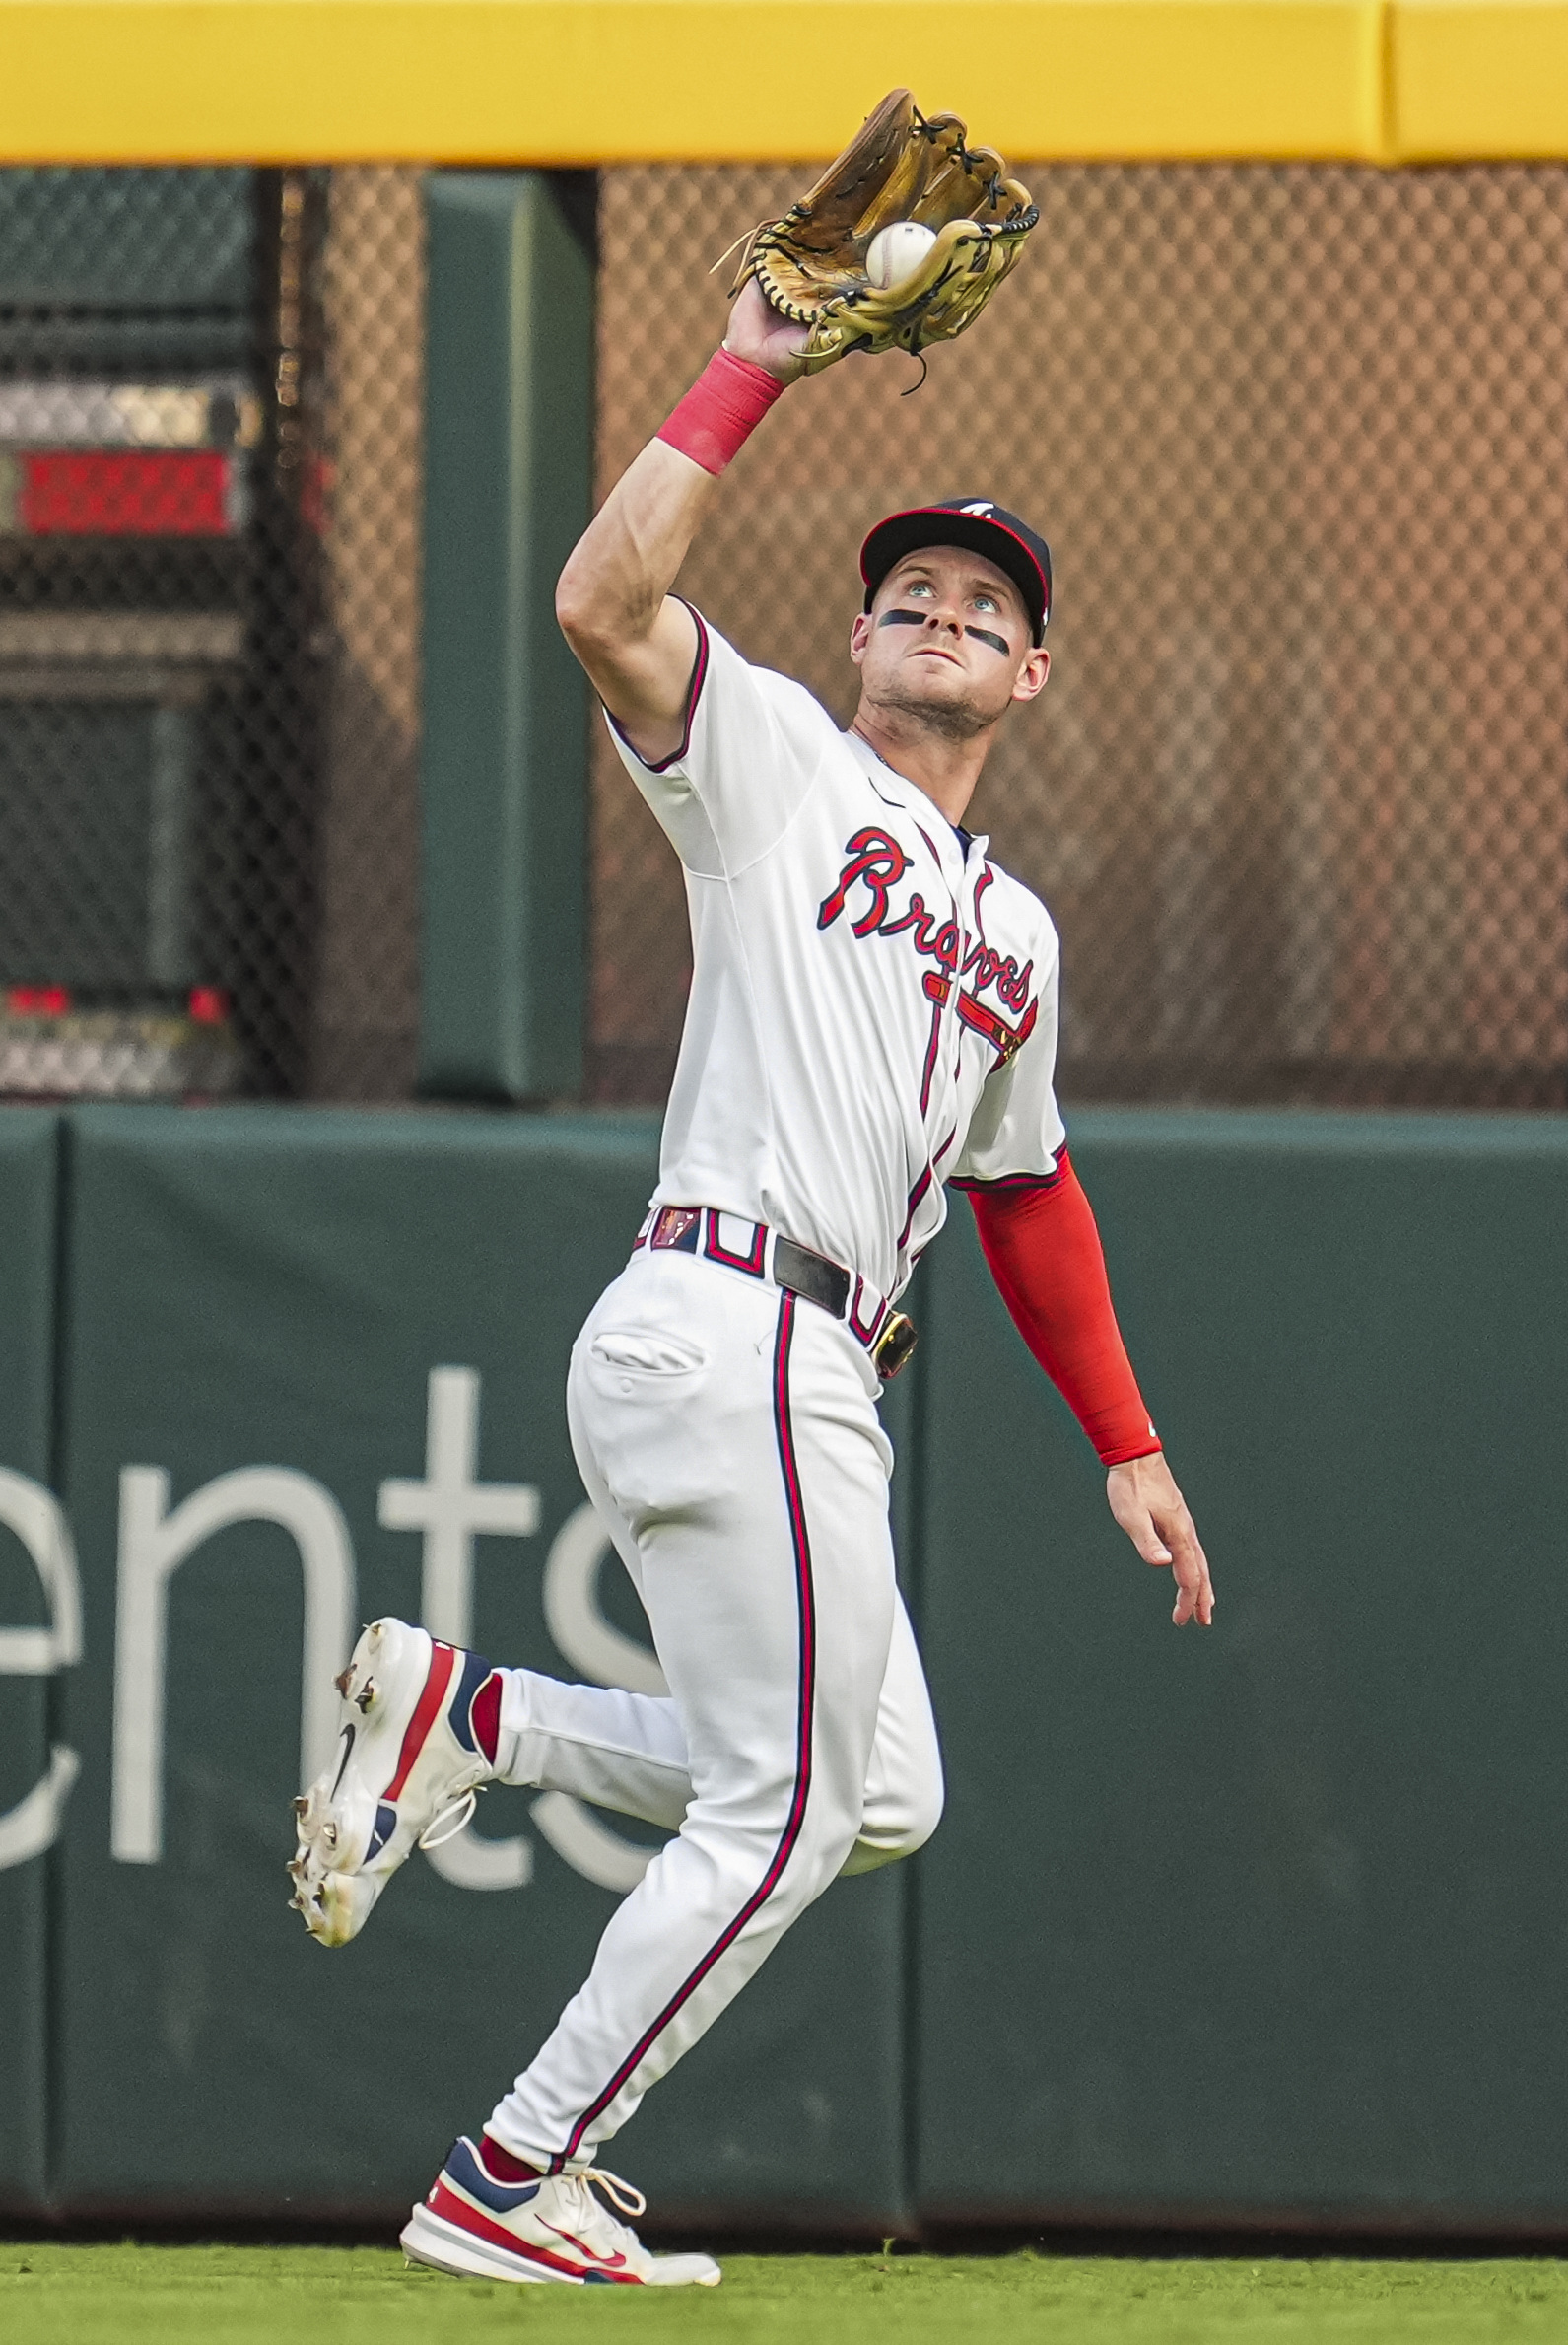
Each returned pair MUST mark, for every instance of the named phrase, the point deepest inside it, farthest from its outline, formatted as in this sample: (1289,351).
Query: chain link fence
(210,432)
(1297,791)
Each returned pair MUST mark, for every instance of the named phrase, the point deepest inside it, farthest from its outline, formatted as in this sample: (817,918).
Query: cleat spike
(344,1680)
(303,1804)
(364,1700)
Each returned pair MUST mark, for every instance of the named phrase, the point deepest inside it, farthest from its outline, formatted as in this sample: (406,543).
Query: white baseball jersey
(873,1013)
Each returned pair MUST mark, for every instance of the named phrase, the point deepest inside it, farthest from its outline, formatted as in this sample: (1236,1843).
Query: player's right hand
(756,332)
(1153,1513)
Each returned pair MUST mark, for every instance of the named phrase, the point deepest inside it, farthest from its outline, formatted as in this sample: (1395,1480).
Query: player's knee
(825,1842)
(897,1829)
(929,1798)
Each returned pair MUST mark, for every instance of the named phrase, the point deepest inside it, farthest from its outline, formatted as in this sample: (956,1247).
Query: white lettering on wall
(451,1508)
(153,1544)
(581,1839)
(573,1615)
(35,1515)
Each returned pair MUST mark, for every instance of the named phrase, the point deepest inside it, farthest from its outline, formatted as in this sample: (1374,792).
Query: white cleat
(555,2228)
(416,1746)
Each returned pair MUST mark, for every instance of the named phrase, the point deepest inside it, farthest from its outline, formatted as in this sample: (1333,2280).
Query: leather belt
(764,1253)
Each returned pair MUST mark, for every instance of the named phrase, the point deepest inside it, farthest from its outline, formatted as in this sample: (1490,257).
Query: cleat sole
(431,2240)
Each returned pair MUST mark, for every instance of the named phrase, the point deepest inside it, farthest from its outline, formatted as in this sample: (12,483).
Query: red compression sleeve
(1043,1252)
(721,411)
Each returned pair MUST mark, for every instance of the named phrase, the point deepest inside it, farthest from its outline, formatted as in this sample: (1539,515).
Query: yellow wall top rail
(607,81)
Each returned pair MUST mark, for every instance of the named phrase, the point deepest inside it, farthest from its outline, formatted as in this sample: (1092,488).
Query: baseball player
(872,1020)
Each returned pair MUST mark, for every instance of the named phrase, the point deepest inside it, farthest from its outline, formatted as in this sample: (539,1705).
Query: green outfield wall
(1265,1925)
(1269,1921)
(32,1601)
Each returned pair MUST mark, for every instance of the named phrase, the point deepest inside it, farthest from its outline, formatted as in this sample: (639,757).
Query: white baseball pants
(728,1434)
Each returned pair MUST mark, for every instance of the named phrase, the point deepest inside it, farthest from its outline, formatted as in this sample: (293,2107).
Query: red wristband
(721,411)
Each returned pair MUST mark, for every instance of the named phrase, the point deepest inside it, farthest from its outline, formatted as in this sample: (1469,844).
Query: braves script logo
(875,864)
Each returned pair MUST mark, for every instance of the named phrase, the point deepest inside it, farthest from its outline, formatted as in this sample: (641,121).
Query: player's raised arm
(613,601)
(900,243)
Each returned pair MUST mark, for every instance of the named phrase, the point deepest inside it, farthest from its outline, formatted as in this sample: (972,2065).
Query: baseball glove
(811,263)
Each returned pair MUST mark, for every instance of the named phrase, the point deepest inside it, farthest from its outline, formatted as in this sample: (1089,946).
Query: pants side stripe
(806,1601)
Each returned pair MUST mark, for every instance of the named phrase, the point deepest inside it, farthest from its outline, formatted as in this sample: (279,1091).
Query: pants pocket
(649,1352)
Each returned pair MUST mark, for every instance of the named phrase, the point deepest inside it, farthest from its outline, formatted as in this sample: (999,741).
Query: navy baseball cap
(981,526)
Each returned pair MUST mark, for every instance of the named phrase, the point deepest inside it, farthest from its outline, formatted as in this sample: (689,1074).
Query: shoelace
(454,1818)
(620,2194)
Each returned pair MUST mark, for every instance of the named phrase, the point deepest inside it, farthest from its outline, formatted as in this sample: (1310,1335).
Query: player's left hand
(1153,1513)
(756,331)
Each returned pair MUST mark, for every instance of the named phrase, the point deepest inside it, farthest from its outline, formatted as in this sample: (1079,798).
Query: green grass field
(52,2294)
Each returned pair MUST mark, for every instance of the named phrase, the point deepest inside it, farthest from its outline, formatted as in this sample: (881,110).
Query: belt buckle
(894,1344)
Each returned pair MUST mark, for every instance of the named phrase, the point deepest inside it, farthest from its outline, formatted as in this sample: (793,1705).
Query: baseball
(896,252)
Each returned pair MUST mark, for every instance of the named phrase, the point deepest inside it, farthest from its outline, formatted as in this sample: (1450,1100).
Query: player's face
(947,638)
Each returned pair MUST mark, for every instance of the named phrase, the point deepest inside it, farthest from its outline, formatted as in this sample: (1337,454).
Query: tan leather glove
(811,263)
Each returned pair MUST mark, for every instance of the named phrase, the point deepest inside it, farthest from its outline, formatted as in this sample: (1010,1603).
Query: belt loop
(866,1330)
(756,1233)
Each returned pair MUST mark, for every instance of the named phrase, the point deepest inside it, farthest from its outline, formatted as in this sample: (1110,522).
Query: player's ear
(1031,676)
(859,636)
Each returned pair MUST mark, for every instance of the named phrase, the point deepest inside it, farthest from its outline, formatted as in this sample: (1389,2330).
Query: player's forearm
(613,599)
(1043,1251)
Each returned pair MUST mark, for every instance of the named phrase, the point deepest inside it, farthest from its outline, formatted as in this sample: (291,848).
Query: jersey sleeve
(1016,1134)
(751,750)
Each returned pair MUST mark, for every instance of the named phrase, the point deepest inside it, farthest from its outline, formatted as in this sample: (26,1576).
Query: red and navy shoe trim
(465,2167)
(473,1712)
(467,2195)
(445,2201)
(806,1606)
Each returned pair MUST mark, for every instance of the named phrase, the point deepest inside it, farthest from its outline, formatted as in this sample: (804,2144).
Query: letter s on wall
(581,1633)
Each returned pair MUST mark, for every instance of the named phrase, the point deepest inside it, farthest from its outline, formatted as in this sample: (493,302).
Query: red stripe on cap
(442,1662)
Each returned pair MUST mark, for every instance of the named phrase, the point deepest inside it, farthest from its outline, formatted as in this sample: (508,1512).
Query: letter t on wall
(450,1507)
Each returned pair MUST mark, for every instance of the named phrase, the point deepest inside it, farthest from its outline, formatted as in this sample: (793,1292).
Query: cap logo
(982,512)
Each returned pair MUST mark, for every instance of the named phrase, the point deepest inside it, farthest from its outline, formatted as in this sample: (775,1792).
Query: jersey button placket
(945,1090)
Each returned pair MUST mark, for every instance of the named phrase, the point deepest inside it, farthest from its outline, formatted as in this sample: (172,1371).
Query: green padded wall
(272,1289)
(1266,1924)
(1258,1926)
(508,489)
(28,1141)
